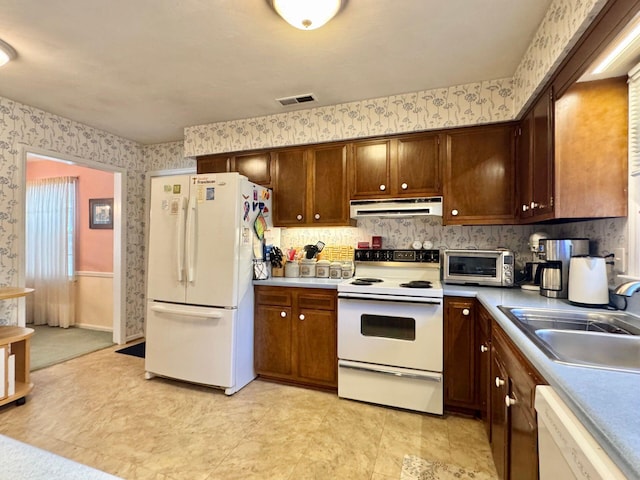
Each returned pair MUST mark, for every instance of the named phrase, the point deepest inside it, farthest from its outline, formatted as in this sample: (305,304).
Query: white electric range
(390,330)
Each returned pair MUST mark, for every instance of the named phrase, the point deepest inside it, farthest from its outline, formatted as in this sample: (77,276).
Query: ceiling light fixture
(307,14)
(7,53)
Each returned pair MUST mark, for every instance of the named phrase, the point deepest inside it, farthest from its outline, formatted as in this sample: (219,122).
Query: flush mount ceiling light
(7,53)
(306,14)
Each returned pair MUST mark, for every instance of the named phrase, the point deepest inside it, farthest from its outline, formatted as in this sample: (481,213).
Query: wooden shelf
(17,339)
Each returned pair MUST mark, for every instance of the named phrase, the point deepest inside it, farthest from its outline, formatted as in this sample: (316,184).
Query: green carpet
(51,345)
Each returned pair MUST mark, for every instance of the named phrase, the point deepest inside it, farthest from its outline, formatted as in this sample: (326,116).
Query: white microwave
(478,267)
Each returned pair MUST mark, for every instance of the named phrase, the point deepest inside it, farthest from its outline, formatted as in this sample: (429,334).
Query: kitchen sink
(617,352)
(598,339)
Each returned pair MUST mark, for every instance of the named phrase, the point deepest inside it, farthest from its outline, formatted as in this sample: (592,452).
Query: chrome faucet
(628,288)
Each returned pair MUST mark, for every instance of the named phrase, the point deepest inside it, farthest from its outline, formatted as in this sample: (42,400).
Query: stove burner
(416,284)
(365,281)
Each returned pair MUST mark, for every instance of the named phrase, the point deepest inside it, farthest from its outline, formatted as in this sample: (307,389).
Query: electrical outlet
(619,260)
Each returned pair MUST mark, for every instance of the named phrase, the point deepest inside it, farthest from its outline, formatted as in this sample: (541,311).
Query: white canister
(308,267)
(335,270)
(347,269)
(322,268)
(291,269)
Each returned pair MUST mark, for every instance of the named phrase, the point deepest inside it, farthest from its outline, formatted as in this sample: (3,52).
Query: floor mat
(136,350)
(416,468)
(51,345)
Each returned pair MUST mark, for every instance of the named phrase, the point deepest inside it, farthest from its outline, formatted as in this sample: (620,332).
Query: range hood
(396,207)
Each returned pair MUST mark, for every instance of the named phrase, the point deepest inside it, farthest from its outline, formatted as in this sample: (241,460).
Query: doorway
(100,319)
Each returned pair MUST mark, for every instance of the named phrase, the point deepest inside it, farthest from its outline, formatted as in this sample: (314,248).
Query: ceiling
(145,69)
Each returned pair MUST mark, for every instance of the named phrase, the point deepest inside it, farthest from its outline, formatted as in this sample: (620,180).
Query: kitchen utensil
(588,284)
(276,257)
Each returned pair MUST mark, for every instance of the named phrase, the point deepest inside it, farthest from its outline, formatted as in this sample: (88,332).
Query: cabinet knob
(283,314)
(404,186)
(499,382)
(298,217)
(484,348)
(466,311)
(301,317)
(454,212)
(508,401)
(525,208)
(383,188)
(534,205)
(317,216)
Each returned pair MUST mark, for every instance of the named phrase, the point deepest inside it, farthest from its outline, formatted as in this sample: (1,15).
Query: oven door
(389,331)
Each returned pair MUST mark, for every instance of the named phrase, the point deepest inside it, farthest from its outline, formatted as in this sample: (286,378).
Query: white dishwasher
(566,449)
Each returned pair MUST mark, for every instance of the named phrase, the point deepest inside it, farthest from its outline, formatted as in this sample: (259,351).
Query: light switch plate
(619,260)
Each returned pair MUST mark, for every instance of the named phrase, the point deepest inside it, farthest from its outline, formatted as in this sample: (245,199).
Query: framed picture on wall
(101,213)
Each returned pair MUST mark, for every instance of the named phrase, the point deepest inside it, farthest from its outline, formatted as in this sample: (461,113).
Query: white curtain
(50,250)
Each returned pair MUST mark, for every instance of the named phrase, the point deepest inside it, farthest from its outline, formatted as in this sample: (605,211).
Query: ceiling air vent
(286,101)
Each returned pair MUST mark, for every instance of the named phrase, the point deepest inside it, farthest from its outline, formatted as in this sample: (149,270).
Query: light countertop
(605,401)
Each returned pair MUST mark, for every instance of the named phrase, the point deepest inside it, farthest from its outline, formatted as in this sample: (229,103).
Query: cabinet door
(479,176)
(255,166)
(273,340)
(460,353)
(523,441)
(484,367)
(524,167)
(329,190)
(213,164)
(418,166)
(542,162)
(317,346)
(290,189)
(370,165)
(499,414)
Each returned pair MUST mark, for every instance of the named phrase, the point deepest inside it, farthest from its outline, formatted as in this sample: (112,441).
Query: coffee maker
(554,272)
(531,269)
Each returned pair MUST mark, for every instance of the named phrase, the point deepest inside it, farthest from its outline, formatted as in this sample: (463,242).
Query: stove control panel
(385,255)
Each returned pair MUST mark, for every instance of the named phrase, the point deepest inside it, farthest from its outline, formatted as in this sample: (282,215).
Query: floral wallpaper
(472,104)
(166,156)
(22,124)
(562,26)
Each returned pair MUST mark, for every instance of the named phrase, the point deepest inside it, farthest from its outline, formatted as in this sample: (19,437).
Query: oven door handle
(429,377)
(390,298)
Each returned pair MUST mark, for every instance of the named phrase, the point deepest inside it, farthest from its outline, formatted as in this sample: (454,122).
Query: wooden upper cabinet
(213,164)
(406,166)
(290,188)
(329,194)
(479,176)
(371,169)
(418,165)
(310,187)
(255,166)
(591,150)
(535,161)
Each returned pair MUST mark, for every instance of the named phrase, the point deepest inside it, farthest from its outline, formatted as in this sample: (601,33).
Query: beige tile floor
(99,410)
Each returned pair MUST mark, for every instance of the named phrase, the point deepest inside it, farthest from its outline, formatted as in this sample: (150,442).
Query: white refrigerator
(202,237)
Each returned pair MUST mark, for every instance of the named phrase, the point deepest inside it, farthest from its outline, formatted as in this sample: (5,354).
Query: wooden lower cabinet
(460,354)
(514,432)
(296,335)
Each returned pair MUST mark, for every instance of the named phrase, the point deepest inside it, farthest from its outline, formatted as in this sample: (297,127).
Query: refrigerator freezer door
(213,240)
(190,343)
(167,217)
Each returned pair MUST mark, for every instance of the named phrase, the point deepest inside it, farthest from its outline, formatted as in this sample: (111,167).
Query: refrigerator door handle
(203,313)
(180,240)
(191,238)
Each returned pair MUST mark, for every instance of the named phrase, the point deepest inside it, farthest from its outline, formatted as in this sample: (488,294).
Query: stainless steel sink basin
(598,339)
(603,350)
